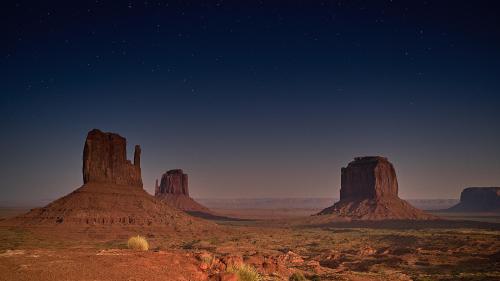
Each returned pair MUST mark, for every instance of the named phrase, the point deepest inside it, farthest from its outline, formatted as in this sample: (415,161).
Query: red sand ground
(379,250)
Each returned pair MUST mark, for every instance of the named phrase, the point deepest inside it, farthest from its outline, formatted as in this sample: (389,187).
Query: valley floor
(349,251)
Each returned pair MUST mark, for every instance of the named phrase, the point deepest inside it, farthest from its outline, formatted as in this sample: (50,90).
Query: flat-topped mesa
(369,191)
(173,182)
(478,199)
(105,160)
(369,177)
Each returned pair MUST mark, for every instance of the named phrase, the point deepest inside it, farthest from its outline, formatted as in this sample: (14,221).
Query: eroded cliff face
(478,199)
(173,190)
(173,182)
(369,177)
(105,160)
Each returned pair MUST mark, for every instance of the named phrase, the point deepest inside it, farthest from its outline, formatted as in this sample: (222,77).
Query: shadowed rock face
(105,160)
(173,182)
(478,199)
(173,190)
(368,178)
(369,191)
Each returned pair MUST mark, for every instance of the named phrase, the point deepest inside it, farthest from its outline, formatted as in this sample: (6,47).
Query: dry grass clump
(245,272)
(297,276)
(138,243)
(207,259)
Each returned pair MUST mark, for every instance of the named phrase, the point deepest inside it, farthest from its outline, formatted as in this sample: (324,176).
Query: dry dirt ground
(342,251)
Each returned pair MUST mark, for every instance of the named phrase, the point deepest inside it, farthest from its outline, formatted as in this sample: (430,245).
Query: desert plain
(265,140)
(445,250)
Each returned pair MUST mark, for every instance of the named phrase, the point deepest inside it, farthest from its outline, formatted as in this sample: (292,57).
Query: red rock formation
(174,190)
(369,191)
(112,193)
(174,182)
(157,187)
(105,160)
(478,199)
(368,178)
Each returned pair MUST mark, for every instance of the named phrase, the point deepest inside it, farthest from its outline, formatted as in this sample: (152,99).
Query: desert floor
(444,250)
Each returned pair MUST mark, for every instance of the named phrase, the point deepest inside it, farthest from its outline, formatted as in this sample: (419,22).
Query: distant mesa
(369,191)
(112,192)
(173,182)
(174,190)
(478,199)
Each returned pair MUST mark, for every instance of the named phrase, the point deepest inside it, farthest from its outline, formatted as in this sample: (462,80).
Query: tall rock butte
(478,199)
(369,191)
(105,160)
(112,193)
(174,190)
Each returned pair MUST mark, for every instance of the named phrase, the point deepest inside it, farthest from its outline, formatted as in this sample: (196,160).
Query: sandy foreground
(276,249)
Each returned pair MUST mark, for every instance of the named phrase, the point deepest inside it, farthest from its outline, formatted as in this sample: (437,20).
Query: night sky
(252,98)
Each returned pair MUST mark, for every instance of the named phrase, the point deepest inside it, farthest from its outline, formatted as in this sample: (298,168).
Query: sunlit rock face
(105,160)
(478,199)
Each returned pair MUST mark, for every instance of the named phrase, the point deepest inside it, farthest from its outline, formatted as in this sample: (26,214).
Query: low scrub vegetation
(246,273)
(138,243)
(297,276)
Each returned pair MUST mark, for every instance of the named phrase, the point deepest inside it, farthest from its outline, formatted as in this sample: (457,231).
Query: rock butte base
(373,209)
(107,204)
(183,202)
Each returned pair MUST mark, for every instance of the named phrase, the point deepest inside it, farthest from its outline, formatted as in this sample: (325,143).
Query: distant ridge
(317,203)
(478,199)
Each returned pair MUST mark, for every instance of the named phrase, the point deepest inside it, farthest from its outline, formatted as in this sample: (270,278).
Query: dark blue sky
(253,99)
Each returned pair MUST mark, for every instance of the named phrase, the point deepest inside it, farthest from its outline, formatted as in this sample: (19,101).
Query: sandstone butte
(369,191)
(478,199)
(105,160)
(112,192)
(174,190)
